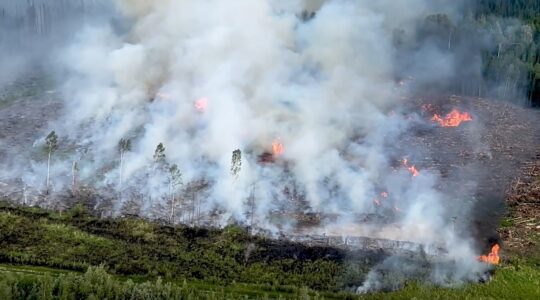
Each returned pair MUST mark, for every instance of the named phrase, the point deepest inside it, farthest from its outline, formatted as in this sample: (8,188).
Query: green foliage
(137,247)
(198,263)
(236,163)
(175,176)
(507,222)
(51,142)
(79,210)
(124,145)
(159,154)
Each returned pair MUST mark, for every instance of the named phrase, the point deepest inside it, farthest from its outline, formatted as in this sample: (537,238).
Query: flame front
(277,147)
(493,257)
(201,105)
(452,119)
(411,169)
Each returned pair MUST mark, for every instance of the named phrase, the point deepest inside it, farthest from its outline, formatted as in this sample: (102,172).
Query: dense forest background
(496,49)
(493,47)
(517,51)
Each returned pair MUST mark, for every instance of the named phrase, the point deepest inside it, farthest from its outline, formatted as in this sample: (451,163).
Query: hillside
(54,255)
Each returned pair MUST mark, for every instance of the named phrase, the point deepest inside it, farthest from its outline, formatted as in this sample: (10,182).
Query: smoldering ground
(322,87)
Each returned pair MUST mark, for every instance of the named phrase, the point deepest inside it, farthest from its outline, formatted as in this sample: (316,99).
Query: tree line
(162,169)
(496,48)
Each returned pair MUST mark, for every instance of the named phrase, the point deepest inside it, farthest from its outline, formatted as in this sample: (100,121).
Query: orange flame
(201,105)
(411,169)
(452,119)
(277,147)
(493,257)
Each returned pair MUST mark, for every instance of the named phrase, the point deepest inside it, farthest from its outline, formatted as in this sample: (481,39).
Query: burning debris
(412,169)
(201,105)
(277,147)
(452,119)
(320,102)
(493,257)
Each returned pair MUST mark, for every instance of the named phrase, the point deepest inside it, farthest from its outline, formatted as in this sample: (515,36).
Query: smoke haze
(324,86)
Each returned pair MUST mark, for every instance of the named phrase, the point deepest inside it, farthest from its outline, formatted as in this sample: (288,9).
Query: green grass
(507,222)
(511,282)
(39,247)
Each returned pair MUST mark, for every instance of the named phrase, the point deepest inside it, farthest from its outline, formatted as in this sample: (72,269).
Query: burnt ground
(478,160)
(26,107)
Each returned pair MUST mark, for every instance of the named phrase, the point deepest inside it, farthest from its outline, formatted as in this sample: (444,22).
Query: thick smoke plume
(208,77)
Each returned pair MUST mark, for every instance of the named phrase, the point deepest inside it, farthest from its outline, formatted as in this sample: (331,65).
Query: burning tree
(51,144)
(175,181)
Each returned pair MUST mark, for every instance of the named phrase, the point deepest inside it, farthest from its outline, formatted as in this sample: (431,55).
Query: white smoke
(324,87)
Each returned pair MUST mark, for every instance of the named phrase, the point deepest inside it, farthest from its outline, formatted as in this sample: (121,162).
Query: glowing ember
(201,105)
(493,257)
(384,194)
(411,169)
(277,147)
(452,119)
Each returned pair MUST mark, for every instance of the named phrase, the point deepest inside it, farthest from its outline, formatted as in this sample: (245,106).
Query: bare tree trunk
(171,218)
(252,214)
(48,170)
(25,198)
(450,39)
(74,177)
(121,170)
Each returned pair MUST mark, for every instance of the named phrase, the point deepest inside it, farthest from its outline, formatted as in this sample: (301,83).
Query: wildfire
(452,119)
(277,147)
(493,257)
(377,201)
(201,105)
(411,169)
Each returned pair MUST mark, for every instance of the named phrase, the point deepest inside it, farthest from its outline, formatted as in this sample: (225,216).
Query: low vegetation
(48,255)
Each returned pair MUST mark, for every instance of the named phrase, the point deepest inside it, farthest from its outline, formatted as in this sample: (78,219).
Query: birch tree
(74,169)
(236,163)
(124,146)
(159,156)
(51,144)
(175,181)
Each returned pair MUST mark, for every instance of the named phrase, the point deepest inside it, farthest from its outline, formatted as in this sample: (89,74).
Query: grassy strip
(76,241)
(516,282)
(201,263)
